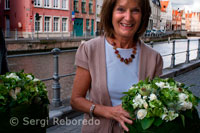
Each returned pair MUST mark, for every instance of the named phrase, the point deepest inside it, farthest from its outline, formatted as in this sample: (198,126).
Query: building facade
(195,22)
(31,18)
(154,20)
(99,4)
(176,20)
(47,18)
(85,15)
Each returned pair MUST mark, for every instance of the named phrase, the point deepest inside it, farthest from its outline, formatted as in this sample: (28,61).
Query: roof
(164,5)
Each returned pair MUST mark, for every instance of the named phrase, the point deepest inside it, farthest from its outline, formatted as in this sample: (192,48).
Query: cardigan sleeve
(81,58)
(159,65)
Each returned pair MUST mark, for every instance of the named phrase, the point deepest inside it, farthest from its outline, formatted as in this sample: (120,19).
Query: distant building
(166,15)
(98,10)
(188,17)
(183,21)
(195,22)
(85,16)
(154,20)
(176,20)
(35,17)
(48,18)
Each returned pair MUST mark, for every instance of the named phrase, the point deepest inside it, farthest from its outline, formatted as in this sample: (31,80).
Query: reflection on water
(42,66)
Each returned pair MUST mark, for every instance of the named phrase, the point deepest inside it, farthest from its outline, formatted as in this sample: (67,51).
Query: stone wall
(37,45)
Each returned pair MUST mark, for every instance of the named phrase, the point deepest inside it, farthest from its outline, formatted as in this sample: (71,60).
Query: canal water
(42,65)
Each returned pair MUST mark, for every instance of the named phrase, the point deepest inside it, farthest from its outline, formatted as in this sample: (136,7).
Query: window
(83,6)
(87,24)
(56,24)
(64,4)
(38,24)
(7,4)
(47,24)
(90,6)
(37,2)
(55,3)
(75,5)
(64,24)
(46,3)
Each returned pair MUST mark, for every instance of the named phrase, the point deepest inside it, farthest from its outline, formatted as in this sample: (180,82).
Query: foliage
(18,88)
(163,103)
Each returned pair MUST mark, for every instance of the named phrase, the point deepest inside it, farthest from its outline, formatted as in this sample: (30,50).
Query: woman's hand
(119,114)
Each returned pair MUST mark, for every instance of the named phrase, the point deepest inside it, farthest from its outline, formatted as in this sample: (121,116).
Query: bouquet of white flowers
(22,96)
(161,105)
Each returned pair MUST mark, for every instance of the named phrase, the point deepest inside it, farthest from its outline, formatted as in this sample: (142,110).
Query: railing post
(188,52)
(173,55)
(198,51)
(16,35)
(32,34)
(56,85)
(47,35)
(62,35)
(151,43)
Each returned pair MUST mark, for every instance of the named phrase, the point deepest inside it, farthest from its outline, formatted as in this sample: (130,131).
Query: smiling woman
(108,65)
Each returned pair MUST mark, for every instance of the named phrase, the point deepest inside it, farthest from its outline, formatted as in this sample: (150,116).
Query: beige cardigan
(91,56)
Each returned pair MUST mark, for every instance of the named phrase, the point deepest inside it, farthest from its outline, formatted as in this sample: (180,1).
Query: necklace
(125,60)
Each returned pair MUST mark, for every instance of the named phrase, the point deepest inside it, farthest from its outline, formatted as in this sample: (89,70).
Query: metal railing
(31,34)
(56,101)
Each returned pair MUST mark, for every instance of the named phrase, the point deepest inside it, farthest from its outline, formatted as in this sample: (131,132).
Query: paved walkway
(74,126)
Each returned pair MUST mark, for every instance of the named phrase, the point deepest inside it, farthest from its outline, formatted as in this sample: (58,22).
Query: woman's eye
(136,10)
(120,9)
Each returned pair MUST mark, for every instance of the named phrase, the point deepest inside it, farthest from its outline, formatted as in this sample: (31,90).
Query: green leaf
(146,123)
(183,119)
(158,122)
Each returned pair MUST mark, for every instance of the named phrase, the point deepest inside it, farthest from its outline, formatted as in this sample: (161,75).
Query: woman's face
(126,18)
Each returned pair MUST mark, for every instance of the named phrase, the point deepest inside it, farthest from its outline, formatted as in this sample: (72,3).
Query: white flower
(185,105)
(138,101)
(164,116)
(144,97)
(145,105)
(182,97)
(17,90)
(13,75)
(138,97)
(35,80)
(135,105)
(141,113)
(160,84)
(172,115)
(152,97)
(12,94)
(29,77)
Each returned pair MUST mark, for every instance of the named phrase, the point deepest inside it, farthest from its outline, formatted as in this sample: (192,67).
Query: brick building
(47,18)
(85,16)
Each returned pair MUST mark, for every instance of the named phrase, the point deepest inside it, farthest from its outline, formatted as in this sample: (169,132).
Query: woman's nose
(128,15)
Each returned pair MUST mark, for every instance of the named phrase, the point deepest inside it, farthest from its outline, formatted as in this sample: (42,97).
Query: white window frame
(40,21)
(56,3)
(7,4)
(48,2)
(65,5)
(50,29)
(58,24)
(66,26)
(38,3)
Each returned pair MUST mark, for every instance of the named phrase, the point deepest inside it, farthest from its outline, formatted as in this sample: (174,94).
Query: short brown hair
(106,26)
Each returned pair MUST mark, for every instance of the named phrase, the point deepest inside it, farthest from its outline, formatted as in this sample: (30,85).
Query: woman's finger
(126,120)
(124,126)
